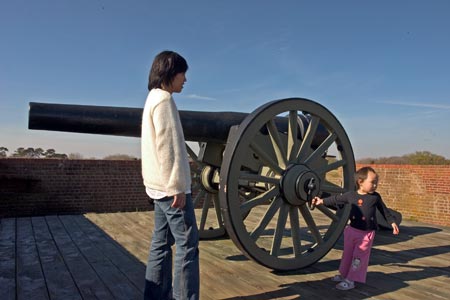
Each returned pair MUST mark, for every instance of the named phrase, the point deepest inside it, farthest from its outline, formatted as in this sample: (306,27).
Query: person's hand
(179,200)
(317,201)
(395,229)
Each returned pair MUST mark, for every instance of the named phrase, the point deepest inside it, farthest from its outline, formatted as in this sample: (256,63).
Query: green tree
(3,152)
(417,158)
(426,158)
(49,153)
(20,152)
(38,153)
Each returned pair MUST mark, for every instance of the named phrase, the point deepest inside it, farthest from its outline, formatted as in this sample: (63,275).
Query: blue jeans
(173,225)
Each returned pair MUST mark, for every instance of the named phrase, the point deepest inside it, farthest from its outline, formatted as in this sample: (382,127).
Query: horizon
(194,147)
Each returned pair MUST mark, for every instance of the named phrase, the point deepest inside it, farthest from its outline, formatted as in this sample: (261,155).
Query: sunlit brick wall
(420,193)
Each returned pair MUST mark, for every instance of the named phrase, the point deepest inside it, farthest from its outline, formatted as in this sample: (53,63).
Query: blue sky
(382,67)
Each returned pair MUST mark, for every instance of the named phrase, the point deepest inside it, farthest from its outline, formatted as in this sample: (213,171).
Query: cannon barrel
(126,121)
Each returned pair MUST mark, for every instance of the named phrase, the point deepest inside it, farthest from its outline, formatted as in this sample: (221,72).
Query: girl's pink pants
(355,258)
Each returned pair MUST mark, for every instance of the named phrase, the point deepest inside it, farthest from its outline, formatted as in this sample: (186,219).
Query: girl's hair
(362,174)
(165,67)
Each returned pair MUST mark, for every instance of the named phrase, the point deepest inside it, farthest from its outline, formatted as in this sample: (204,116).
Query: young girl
(359,235)
(167,178)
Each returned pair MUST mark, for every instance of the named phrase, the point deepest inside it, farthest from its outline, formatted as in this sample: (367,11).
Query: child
(167,179)
(358,237)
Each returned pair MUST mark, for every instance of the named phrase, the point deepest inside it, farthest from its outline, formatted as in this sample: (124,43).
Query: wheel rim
(266,155)
(205,198)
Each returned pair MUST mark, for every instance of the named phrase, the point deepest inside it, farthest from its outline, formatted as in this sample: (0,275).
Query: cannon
(267,164)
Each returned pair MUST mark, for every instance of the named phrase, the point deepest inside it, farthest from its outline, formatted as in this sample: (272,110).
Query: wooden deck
(103,256)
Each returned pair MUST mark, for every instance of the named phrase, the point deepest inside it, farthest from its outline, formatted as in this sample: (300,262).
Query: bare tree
(119,157)
(75,156)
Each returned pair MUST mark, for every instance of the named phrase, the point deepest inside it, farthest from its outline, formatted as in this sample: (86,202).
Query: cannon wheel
(286,167)
(206,198)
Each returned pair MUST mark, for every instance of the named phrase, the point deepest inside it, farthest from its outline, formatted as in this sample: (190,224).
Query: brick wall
(47,186)
(51,186)
(420,193)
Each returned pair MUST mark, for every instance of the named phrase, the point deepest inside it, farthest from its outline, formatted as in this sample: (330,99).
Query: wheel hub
(207,179)
(299,184)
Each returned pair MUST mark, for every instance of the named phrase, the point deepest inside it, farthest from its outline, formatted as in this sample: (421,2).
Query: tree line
(417,158)
(31,152)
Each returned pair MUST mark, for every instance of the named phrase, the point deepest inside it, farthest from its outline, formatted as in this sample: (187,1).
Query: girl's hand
(317,201)
(395,229)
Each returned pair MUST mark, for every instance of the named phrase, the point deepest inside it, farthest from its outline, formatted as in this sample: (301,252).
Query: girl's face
(369,185)
(178,82)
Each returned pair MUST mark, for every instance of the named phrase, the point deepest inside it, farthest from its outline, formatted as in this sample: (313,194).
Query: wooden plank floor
(103,256)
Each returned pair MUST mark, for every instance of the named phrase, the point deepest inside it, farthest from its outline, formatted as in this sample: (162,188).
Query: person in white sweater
(167,179)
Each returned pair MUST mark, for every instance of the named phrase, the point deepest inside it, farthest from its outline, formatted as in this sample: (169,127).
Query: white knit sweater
(165,164)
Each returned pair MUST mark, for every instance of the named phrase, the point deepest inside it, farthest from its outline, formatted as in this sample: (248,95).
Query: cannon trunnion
(268,164)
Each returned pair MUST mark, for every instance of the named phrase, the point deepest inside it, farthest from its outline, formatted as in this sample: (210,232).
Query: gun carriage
(268,164)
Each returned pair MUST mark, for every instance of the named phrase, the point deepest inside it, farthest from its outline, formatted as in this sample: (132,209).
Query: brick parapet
(50,186)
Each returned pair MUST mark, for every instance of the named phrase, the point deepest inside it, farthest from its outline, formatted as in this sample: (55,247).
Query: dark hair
(165,67)
(362,174)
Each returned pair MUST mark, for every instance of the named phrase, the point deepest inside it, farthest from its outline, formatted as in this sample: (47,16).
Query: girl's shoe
(337,278)
(345,285)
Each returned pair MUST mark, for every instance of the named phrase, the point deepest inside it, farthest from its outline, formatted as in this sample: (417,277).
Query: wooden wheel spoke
(266,158)
(308,139)
(270,212)
(311,224)
(216,202)
(256,178)
(332,188)
(293,142)
(295,231)
(328,212)
(279,230)
(205,209)
(278,147)
(258,200)
(333,166)
(322,148)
